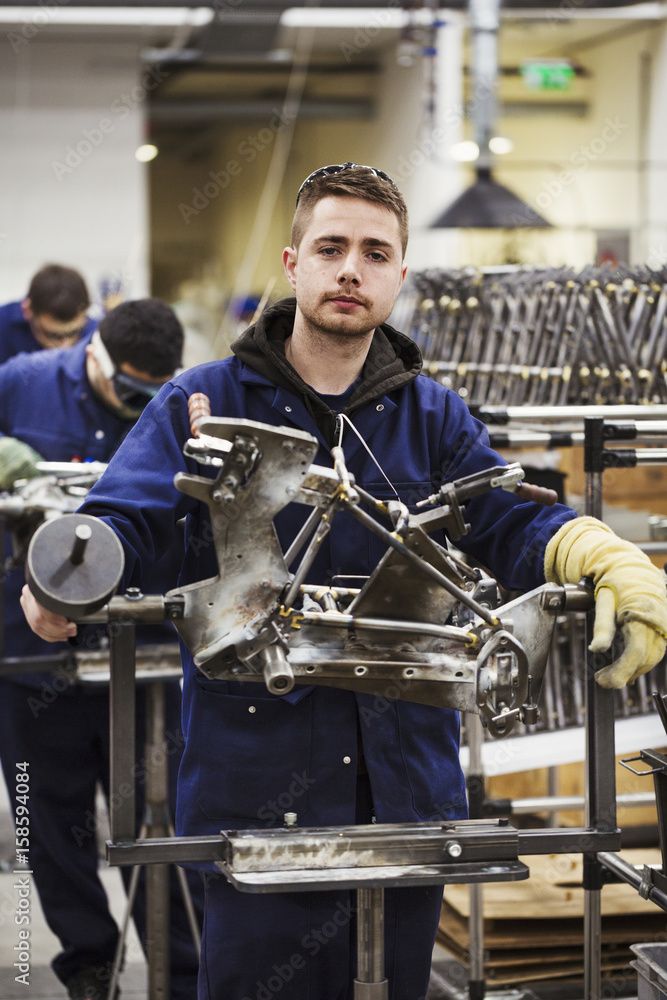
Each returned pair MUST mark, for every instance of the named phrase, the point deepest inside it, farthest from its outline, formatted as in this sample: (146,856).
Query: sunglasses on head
(338,168)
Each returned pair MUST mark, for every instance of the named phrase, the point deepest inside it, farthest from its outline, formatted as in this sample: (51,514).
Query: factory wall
(204,197)
(71,118)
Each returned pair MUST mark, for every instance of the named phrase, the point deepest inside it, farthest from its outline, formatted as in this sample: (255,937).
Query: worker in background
(74,405)
(330,351)
(54,313)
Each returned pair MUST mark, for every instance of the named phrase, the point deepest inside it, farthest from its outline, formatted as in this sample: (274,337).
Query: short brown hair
(356,182)
(59,291)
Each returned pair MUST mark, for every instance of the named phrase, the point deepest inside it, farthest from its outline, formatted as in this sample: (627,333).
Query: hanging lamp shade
(486,204)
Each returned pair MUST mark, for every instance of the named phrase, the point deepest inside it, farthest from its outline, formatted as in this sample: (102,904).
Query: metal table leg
(370,983)
(600,812)
(157,822)
(475,739)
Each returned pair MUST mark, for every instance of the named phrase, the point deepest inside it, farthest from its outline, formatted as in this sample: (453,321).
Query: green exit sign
(547,74)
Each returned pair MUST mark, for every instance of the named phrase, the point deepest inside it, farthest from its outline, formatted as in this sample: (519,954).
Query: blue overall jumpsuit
(251,756)
(16,337)
(62,730)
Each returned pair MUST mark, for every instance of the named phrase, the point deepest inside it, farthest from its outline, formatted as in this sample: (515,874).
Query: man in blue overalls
(331,752)
(77,405)
(53,313)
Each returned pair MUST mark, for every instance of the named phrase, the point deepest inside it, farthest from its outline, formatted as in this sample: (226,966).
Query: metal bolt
(454,849)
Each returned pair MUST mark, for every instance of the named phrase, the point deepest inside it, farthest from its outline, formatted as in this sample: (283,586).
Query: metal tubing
(306,530)
(157,876)
(119,956)
(323,527)
(594,464)
(600,812)
(592,944)
(594,495)
(370,983)
(650,456)
(526,414)
(567,840)
(278,674)
(476,936)
(187,902)
(452,632)
(476,918)
(122,817)
(633,876)
(150,609)
(517,438)
(179,850)
(569,802)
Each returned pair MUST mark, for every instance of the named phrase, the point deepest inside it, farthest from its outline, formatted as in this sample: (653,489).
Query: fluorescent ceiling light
(465,152)
(343,17)
(146,153)
(128,16)
(500,145)
(637,12)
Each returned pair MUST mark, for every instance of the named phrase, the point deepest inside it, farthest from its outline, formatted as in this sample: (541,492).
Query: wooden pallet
(533,930)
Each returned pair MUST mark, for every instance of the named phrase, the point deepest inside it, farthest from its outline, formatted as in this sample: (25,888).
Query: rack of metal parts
(542,336)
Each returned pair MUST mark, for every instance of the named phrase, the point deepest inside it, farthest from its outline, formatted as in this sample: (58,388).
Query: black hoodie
(393,360)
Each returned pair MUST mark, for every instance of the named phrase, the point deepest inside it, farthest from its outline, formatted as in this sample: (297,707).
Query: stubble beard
(339,326)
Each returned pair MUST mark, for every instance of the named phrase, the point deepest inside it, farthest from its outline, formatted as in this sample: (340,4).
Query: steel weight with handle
(74,564)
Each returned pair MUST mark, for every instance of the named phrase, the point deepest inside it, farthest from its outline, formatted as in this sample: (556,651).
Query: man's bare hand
(47,625)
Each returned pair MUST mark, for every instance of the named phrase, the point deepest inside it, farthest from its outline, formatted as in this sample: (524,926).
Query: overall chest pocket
(255,753)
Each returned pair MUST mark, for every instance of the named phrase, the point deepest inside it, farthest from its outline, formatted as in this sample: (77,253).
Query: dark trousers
(302,945)
(64,740)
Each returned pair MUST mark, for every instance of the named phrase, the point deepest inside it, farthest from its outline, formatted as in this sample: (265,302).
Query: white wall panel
(72,191)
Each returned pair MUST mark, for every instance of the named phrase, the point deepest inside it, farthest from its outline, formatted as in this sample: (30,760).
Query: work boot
(89,983)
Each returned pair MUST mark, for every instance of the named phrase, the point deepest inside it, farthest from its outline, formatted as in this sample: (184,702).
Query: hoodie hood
(393,360)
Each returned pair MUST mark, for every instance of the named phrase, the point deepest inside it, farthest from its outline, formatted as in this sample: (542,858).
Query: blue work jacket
(250,756)
(16,337)
(47,402)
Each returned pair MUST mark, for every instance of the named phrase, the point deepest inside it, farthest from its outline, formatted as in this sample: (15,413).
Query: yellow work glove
(629,593)
(17,461)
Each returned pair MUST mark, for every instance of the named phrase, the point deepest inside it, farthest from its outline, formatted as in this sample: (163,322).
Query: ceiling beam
(221,6)
(217,110)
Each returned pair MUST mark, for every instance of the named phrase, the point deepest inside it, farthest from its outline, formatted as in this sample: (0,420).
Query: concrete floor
(41,983)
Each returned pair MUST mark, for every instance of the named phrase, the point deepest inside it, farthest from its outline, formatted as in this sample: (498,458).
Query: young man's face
(50,332)
(348,268)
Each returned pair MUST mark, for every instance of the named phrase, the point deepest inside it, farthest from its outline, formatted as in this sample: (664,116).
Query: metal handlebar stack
(543,336)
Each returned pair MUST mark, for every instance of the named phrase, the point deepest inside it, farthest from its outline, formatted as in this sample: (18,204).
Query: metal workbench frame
(598,841)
